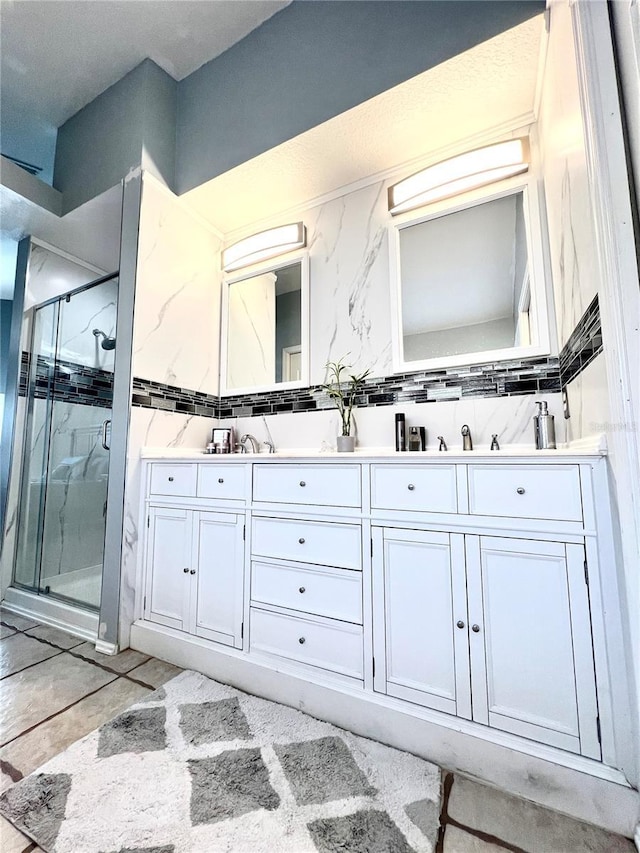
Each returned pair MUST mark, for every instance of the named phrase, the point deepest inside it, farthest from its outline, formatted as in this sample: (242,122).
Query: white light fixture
(264,245)
(460,174)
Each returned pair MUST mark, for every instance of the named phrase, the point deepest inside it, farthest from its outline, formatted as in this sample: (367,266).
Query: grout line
(30,665)
(57,713)
(446,820)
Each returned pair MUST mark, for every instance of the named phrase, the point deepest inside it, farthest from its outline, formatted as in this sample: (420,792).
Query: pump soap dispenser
(544,428)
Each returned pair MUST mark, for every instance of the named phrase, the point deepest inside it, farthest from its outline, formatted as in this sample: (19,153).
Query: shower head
(106,342)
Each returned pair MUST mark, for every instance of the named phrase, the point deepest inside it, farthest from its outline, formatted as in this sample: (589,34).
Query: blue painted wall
(130,124)
(314,60)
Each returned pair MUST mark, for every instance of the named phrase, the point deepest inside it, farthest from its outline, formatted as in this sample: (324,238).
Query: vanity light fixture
(264,245)
(460,174)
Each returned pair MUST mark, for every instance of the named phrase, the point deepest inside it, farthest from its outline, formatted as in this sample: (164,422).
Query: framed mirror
(468,281)
(265,328)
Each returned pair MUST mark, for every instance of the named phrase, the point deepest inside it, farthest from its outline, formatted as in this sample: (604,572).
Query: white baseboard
(106,648)
(576,786)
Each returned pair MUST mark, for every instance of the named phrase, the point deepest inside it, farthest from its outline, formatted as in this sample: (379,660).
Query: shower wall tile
(11,516)
(67,381)
(52,274)
(177,309)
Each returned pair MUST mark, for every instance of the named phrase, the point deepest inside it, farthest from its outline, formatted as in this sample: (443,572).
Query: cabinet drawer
(422,488)
(331,645)
(222,481)
(308,541)
(174,479)
(325,592)
(526,491)
(322,485)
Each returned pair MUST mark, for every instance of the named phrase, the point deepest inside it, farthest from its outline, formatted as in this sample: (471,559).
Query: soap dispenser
(544,428)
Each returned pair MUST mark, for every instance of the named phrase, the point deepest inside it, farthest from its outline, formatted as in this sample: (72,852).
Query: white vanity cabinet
(194,578)
(451,588)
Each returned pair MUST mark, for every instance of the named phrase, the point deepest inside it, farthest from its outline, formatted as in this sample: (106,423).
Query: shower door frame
(37,589)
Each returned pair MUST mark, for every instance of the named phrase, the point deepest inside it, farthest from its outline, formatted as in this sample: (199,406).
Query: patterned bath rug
(199,767)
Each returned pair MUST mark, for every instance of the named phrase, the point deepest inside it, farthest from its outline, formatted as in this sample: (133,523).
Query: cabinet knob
(302,589)
(301,641)
(302,483)
(221,479)
(186,570)
(475,628)
(411,487)
(192,572)
(460,623)
(301,540)
(171,479)
(520,490)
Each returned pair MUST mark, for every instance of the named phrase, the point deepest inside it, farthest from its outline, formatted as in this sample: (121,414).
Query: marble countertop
(592,447)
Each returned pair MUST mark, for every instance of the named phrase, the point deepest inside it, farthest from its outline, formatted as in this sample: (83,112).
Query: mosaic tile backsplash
(67,382)
(501,379)
(583,345)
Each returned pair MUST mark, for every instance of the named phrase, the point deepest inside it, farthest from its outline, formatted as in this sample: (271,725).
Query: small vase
(346,443)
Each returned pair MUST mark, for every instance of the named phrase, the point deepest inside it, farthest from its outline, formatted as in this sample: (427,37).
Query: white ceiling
(481,89)
(58,56)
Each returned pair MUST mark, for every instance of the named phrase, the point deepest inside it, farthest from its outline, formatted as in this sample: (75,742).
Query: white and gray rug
(199,767)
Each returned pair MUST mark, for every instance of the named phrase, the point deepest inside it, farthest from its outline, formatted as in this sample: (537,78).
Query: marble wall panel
(176,329)
(566,182)
(588,401)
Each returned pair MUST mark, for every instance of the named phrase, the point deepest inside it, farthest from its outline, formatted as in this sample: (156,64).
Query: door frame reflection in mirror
(537,273)
(272,266)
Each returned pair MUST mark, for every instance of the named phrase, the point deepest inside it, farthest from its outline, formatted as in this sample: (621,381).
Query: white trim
(105,648)
(617,286)
(539,282)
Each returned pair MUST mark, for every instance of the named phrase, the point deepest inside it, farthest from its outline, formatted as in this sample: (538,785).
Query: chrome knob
(301,540)
(221,479)
(186,571)
(411,487)
(192,572)
(302,483)
(460,623)
(171,479)
(302,589)
(475,628)
(301,641)
(520,490)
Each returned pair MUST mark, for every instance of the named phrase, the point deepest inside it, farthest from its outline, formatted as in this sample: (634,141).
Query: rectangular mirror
(466,281)
(265,329)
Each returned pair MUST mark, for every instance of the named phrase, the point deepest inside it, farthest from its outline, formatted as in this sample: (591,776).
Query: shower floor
(81,585)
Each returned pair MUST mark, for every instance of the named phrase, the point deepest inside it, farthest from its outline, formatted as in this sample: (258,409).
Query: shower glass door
(65,475)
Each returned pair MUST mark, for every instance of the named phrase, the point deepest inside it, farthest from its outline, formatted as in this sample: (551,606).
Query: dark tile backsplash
(584,344)
(67,382)
(501,379)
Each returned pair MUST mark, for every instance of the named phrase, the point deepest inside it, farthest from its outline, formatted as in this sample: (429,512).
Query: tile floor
(56,688)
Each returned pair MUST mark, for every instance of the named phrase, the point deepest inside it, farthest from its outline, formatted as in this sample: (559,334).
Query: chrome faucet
(247,437)
(467,444)
(270,445)
(443,443)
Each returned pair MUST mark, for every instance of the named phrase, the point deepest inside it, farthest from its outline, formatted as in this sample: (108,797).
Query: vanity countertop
(575,452)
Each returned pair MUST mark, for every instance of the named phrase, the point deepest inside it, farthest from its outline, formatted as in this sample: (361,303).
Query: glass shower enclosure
(67,378)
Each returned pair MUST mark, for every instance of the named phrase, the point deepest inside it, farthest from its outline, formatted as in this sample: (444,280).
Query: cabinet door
(419,595)
(216,605)
(531,651)
(168,565)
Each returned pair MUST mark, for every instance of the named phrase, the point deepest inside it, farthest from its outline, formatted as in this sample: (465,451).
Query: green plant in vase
(343,386)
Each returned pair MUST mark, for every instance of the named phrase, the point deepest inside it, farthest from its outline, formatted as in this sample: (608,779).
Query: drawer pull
(186,571)
(302,483)
(411,487)
(475,628)
(301,540)
(171,479)
(192,572)
(221,479)
(520,490)
(302,589)
(301,641)
(460,623)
